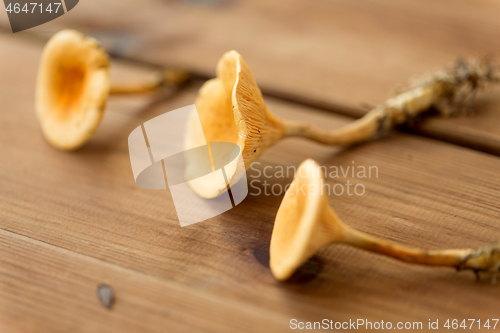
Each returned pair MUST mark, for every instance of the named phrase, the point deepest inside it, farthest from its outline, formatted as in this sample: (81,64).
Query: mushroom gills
(231,109)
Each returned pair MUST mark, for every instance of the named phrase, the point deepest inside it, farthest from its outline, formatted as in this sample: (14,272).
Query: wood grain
(48,289)
(334,55)
(69,221)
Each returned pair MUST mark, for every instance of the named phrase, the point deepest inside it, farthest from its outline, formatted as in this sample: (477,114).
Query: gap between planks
(438,129)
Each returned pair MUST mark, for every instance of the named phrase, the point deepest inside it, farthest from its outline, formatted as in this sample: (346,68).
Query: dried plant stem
(486,259)
(171,77)
(448,91)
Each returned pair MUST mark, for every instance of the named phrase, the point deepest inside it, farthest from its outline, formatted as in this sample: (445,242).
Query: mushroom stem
(446,90)
(169,77)
(486,259)
(306,222)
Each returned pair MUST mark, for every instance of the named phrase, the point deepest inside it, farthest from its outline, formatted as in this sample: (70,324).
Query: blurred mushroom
(231,109)
(73,86)
(306,222)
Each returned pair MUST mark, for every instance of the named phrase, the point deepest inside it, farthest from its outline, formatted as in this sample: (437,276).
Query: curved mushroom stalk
(305,223)
(231,109)
(73,86)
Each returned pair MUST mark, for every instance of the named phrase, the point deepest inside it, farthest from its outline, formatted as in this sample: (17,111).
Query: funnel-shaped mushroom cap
(231,109)
(303,223)
(72,88)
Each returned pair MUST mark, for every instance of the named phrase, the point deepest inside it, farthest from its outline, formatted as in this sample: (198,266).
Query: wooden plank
(48,289)
(88,210)
(333,55)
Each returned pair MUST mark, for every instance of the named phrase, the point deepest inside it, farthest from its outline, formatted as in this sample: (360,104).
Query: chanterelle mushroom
(231,109)
(306,222)
(73,85)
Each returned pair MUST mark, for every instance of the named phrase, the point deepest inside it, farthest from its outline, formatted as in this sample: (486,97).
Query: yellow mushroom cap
(303,222)
(231,109)
(71,89)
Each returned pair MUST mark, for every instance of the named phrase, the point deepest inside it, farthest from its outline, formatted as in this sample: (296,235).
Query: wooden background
(69,221)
